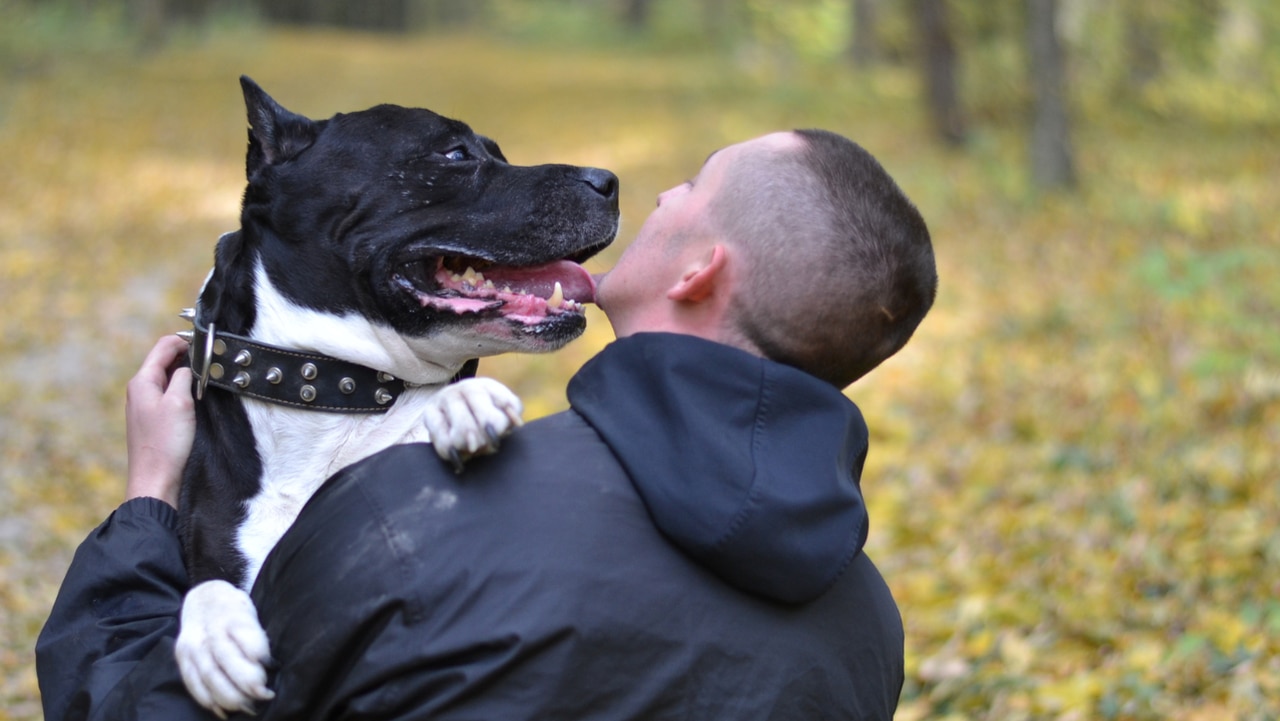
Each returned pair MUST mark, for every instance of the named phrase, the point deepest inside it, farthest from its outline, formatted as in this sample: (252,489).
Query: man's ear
(699,282)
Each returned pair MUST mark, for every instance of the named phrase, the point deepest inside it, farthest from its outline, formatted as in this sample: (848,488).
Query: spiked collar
(288,377)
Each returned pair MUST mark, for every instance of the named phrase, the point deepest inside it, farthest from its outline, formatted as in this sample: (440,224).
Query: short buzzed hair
(840,265)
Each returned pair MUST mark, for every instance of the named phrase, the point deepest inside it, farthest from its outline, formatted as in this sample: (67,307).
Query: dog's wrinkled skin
(361,238)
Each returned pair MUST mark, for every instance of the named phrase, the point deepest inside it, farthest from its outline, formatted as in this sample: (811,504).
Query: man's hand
(160,422)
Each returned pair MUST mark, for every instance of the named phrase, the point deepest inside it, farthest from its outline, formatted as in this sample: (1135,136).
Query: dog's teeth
(455,278)
(470,275)
(557,297)
(506,289)
(488,285)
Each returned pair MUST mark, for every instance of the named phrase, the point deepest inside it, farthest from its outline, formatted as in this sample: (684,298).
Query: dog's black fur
(345,215)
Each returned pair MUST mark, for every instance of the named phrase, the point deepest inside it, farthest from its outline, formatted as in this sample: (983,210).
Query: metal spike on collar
(189,315)
(238,360)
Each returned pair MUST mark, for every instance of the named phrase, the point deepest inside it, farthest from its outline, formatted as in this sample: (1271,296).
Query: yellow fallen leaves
(1074,475)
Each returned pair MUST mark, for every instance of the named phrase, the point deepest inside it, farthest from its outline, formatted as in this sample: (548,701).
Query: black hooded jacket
(684,543)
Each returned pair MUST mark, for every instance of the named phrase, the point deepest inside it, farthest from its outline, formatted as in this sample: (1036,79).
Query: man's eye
(456,154)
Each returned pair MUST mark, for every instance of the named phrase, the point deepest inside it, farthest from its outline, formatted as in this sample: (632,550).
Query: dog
(379,253)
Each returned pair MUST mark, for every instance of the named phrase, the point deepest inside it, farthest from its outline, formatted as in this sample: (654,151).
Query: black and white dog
(379,252)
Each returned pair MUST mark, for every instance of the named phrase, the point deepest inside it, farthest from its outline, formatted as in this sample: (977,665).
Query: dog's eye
(458,153)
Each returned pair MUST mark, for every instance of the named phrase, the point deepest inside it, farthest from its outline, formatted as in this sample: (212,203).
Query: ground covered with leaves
(1075,468)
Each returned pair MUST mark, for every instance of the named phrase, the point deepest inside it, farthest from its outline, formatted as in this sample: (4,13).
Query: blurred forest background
(1075,468)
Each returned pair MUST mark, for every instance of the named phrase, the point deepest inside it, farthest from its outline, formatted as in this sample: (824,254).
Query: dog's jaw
(427,288)
(518,322)
(352,337)
(527,294)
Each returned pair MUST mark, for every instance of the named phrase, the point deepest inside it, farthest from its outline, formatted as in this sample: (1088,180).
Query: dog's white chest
(300,450)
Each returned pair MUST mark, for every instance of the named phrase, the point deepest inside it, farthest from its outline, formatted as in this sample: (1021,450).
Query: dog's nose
(601,181)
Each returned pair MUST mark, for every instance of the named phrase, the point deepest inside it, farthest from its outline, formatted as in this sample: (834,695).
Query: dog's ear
(232,270)
(275,134)
(492,147)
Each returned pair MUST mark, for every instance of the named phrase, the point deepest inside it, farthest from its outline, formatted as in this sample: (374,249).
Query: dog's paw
(470,418)
(222,650)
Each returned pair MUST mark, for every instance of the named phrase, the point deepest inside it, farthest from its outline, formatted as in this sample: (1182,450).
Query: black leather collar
(293,378)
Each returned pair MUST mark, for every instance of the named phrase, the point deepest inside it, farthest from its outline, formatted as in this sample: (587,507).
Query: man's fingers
(155,367)
(166,350)
(180,387)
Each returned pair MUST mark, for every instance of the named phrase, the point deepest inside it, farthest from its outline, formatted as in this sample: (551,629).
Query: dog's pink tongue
(575,282)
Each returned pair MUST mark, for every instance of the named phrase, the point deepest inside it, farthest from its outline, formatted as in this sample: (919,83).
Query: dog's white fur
(221,647)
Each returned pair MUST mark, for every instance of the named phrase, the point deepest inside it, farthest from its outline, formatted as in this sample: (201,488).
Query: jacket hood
(751,467)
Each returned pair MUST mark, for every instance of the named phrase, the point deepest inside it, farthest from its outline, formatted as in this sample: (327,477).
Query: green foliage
(1219,286)
(33,33)
(813,30)
(1213,61)
(1074,476)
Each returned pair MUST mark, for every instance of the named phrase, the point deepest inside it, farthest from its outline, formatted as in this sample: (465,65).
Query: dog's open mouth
(529,295)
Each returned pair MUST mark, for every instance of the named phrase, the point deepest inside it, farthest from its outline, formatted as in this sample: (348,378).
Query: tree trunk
(380,15)
(940,71)
(635,14)
(864,51)
(1052,165)
(449,14)
(155,18)
(1144,63)
(149,18)
(715,19)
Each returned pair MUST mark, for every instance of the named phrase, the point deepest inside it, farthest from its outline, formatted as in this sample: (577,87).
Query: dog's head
(413,222)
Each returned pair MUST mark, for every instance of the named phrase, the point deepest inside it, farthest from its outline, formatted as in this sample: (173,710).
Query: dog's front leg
(222,650)
(470,418)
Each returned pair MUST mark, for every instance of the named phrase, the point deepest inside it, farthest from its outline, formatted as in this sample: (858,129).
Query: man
(684,543)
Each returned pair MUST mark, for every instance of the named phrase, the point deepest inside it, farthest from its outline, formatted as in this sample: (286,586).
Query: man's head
(796,246)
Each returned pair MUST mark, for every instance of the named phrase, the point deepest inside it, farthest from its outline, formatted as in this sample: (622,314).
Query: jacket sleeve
(118,608)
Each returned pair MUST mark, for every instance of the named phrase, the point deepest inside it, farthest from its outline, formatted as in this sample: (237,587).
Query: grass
(1074,473)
